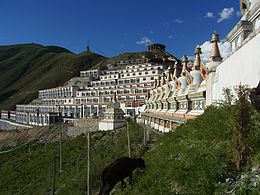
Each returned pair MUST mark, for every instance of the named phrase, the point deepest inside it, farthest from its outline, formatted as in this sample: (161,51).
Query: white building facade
(130,80)
(242,66)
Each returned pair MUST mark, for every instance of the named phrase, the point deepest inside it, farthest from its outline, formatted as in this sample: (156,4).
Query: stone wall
(82,126)
(8,125)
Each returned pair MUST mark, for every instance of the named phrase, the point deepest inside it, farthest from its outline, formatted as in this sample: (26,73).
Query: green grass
(19,175)
(194,159)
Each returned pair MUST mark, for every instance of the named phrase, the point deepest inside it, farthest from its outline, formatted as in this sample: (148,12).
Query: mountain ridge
(27,68)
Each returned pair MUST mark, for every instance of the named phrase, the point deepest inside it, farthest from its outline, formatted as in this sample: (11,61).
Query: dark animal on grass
(118,171)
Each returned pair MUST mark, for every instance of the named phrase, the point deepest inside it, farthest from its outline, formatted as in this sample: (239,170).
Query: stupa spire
(215,54)
(175,70)
(184,62)
(197,61)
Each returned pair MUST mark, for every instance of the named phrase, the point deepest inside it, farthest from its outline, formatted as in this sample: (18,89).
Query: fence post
(60,148)
(144,128)
(53,182)
(128,139)
(88,168)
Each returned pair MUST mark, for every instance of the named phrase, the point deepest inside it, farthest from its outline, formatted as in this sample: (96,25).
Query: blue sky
(116,26)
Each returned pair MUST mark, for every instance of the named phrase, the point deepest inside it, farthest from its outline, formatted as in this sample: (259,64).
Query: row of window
(106,99)
(191,105)
(140,73)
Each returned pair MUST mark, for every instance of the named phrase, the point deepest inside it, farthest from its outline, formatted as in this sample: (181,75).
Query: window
(144,79)
(140,73)
(152,78)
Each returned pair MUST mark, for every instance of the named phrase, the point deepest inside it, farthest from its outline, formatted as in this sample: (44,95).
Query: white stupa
(113,117)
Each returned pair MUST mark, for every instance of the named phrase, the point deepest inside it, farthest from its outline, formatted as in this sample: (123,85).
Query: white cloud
(224,49)
(225,14)
(178,20)
(170,36)
(144,40)
(238,13)
(209,15)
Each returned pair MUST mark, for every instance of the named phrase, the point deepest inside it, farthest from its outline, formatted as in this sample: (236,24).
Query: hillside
(27,68)
(25,171)
(198,158)
(195,159)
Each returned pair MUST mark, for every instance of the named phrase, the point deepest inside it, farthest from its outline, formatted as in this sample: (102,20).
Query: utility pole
(29,151)
(88,168)
(53,182)
(78,166)
(144,128)
(60,140)
(128,139)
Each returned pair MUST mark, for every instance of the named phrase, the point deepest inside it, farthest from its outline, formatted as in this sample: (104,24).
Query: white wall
(243,67)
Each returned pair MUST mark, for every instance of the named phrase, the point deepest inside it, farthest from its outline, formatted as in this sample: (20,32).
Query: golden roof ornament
(177,82)
(215,54)
(197,61)
(215,37)
(184,59)
(175,71)
(184,65)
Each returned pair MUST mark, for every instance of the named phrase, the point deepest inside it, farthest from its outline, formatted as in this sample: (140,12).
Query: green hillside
(198,158)
(27,68)
(24,172)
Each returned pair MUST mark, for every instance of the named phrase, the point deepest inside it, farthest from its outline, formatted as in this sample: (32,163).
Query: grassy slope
(19,175)
(192,160)
(25,69)
(195,158)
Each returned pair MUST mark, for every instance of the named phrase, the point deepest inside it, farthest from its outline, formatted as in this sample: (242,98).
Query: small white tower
(196,72)
(214,62)
(113,118)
